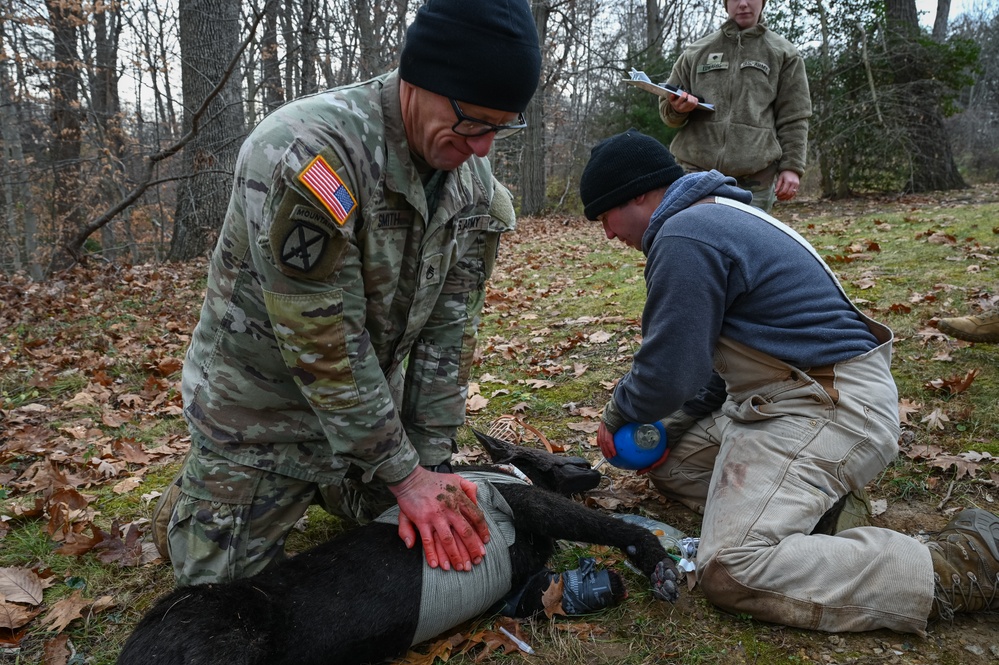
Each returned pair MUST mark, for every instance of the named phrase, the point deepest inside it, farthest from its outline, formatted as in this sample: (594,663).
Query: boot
(966,565)
(981,328)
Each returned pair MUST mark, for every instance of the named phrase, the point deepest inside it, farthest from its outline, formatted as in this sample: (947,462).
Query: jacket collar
(731,30)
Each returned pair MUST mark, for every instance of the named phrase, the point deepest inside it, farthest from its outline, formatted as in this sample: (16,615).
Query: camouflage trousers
(220,520)
(760,184)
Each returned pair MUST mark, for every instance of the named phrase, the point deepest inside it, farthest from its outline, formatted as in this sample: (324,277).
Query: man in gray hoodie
(778,397)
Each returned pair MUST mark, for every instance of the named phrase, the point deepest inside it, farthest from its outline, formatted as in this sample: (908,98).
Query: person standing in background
(758,132)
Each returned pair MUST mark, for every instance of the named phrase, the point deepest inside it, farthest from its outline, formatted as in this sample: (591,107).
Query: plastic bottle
(639,446)
(669,536)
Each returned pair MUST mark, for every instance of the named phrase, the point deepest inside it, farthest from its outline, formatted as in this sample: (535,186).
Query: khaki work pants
(766,467)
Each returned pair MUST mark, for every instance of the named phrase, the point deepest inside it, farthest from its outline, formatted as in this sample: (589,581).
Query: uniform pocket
(309,329)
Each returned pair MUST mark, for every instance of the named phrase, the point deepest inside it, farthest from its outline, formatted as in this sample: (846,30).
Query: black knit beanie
(622,167)
(482,52)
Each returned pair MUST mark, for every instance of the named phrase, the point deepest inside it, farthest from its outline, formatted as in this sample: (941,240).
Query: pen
(521,644)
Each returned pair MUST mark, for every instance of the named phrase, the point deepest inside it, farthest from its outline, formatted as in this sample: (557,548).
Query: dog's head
(565,475)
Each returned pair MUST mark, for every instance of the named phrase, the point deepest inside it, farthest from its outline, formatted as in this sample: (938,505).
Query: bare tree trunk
(271,83)
(209,37)
(367,39)
(940,21)
(291,50)
(65,18)
(19,217)
(933,166)
(310,47)
(106,105)
(533,180)
(653,27)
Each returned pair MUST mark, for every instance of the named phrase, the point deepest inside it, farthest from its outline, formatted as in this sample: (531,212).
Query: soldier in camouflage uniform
(331,360)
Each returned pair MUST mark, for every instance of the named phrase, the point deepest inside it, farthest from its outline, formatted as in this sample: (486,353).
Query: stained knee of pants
(725,592)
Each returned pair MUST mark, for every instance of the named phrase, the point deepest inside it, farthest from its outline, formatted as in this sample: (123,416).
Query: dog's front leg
(548,514)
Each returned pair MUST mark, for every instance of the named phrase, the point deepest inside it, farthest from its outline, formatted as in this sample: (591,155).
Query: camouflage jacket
(328,274)
(756,80)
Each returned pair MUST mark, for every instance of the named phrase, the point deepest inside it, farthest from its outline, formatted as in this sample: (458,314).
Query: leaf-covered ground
(90,431)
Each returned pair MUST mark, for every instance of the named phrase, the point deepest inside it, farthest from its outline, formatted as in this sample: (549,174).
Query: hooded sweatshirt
(715,270)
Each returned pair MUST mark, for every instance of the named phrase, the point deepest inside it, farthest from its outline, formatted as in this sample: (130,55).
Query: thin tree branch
(76,242)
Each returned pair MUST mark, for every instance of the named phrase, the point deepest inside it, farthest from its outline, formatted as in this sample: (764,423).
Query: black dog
(357,597)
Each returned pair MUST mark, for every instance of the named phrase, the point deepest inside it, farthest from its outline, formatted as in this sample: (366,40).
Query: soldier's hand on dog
(442,508)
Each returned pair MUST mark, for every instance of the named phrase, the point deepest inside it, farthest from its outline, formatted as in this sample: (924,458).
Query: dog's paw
(665,581)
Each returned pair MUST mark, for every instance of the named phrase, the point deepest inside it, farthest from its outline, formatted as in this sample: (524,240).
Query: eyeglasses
(469,126)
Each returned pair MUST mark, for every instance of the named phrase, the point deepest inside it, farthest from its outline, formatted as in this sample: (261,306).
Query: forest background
(120,124)
(121,120)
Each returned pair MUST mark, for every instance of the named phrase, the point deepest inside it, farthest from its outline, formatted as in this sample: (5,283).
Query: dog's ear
(565,475)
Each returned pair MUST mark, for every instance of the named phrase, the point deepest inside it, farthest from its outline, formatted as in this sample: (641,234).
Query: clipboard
(641,80)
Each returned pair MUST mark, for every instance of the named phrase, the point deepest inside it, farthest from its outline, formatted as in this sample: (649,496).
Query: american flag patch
(327,186)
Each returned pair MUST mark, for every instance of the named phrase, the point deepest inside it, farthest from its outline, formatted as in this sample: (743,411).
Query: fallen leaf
(65,612)
(126,485)
(552,598)
(114,549)
(924,451)
(963,466)
(539,383)
(13,616)
(442,649)
(20,585)
(942,239)
(130,451)
(599,337)
(936,419)
(953,385)
(76,544)
(589,427)
(82,400)
(112,420)
(130,401)
(103,603)
(168,366)
(865,283)
(56,650)
(907,407)
(476,403)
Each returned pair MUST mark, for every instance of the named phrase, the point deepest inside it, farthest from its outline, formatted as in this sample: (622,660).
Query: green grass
(558,285)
